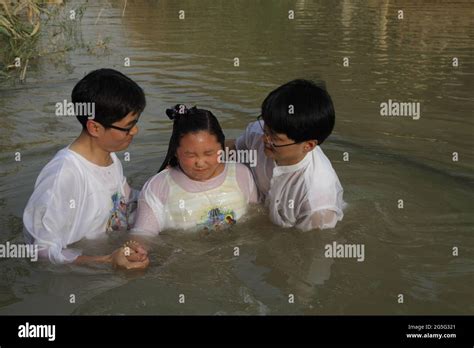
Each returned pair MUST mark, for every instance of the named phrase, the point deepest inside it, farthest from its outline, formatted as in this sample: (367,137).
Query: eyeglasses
(127,130)
(268,136)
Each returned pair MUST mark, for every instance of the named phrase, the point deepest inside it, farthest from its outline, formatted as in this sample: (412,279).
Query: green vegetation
(30,29)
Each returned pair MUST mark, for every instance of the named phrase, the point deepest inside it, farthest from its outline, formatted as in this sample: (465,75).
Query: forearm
(84,259)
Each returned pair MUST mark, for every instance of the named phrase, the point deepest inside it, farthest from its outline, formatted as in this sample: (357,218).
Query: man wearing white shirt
(296,180)
(82,192)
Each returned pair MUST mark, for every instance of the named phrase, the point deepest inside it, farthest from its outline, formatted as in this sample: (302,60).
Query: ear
(310,145)
(94,128)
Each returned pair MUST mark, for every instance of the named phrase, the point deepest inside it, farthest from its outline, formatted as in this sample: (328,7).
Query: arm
(84,259)
(149,217)
(248,138)
(246,183)
(49,220)
(320,219)
(130,193)
(323,207)
(129,257)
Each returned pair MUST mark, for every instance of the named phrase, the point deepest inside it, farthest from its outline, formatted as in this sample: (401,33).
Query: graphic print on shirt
(118,219)
(216,219)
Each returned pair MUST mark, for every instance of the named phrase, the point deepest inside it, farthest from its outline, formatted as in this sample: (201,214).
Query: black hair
(189,121)
(114,96)
(313,114)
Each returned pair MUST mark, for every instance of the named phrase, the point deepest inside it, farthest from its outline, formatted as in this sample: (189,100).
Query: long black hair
(189,121)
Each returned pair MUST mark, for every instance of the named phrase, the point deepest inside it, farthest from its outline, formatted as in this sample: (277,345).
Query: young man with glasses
(296,180)
(82,192)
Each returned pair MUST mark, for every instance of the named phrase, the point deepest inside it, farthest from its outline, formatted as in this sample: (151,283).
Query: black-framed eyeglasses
(268,136)
(127,130)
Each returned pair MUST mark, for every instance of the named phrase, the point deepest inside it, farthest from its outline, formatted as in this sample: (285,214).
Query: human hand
(134,251)
(120,260)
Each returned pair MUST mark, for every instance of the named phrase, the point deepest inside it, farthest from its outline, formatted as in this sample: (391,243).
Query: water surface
(408,251)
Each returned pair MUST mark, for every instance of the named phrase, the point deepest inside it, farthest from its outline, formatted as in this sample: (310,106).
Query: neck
(86,146)
(290,161)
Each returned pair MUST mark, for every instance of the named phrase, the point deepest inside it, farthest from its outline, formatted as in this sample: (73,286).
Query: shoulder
(61,178)
(254,128)
(157,187)
(62,167)
(246,182)
(321,165)
(242,170)
(243,174)
(253,131)
(252,134)
(323,185)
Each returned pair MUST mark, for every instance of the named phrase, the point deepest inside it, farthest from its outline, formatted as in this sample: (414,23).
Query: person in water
(193,188)
(296,180)
(82,192)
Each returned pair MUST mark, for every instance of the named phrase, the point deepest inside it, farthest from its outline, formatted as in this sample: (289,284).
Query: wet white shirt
(171,200)
(306,195)
(74,199)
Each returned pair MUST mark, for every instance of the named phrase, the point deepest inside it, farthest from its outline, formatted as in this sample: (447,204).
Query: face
(112,139)
(285,155)
(198,155)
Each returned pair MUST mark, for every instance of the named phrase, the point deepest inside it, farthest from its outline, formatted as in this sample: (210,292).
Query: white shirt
(171,200)
(74,199)
(306,195)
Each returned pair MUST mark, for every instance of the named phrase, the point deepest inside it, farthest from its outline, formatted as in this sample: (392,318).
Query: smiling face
(198,155)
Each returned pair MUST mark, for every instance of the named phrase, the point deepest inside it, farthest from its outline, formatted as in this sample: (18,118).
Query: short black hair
(313,114)
(114,96)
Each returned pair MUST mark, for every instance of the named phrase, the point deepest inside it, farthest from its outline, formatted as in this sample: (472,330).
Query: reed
(30,29)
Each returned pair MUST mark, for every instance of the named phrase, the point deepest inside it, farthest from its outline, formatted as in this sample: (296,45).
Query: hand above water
(134,251)
(131,256)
